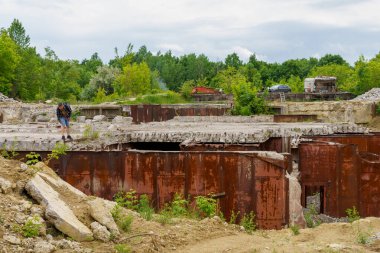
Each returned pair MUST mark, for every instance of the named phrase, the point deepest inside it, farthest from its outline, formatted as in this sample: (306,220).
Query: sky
(274,30)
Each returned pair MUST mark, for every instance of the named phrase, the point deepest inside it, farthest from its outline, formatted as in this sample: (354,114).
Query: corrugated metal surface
(149,113)
(249,182)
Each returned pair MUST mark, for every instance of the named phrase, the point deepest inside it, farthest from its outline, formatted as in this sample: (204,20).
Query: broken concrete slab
(100,210)
(57,211)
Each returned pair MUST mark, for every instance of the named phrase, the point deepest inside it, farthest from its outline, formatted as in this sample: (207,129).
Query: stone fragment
(100,210)
(99,118)
(100,232)
(57,211)
(122,120)
(81,119)
(43,247)
(12,239)
(5,186)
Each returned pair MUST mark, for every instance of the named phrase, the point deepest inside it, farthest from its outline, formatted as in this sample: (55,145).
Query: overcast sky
(275,30)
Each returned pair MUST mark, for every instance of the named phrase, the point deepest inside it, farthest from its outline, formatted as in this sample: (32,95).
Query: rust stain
(248,182)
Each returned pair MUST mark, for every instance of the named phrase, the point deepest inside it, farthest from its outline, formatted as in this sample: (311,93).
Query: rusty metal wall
(365,142)
(149,113)
(245,181)
(294,118)
(346,174)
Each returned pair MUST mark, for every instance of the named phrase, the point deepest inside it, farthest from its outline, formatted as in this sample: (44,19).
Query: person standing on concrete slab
(63,115)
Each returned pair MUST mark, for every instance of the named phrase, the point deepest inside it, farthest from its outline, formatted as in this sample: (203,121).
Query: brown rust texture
(345,170)
(244,181)
(294,118)
(149,113)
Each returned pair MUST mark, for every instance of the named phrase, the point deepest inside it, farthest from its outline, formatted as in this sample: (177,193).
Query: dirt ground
(185,235)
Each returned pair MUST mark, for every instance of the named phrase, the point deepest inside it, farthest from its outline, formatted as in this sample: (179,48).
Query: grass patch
(295,229)
(122,248)
(168,97)
(352,214)
(122,220)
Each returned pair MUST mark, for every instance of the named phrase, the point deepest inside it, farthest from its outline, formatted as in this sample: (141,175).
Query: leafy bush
(58,150)
(247,102)
(352,214)
(206,206)
(179,206)
(32,158)
(32,227)
(248,222)
(127,199)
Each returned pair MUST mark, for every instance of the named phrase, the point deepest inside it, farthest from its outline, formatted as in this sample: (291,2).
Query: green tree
(233,60)
(332,59)
(246,101)
(17,32)
(227,78)
(9,59)
(135,79)
(104,79)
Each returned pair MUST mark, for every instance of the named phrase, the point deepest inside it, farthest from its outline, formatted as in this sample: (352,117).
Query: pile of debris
(6,99)
(371,95)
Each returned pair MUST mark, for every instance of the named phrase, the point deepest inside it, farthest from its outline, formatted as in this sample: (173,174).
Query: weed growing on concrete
(352,214)
(206,206)
(90,133)
(233,217)
(248,222)
(8,153)
(122,248)
(164,217)
(32,227)
(363,237)
(295,229)
(58,150)
(122,220)
(32,158)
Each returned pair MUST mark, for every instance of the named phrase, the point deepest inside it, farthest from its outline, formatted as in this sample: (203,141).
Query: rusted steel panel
(370,185)
(220,147)
(272,144)
(333,169)
(244,181)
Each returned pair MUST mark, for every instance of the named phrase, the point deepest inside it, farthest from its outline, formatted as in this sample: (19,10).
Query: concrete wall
(333,111)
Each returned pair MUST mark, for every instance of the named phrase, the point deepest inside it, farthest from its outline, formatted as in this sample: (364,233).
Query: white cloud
(78,28)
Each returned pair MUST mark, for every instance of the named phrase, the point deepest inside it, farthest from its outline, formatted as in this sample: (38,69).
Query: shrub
(127,199)
(164,217)
(179,206)
(32,227)
(58,150)
(248,222)
(206,206)
(32,158)
(352,214)
(310,214)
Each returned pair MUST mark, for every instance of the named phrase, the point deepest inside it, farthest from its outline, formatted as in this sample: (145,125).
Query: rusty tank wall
(345,175)
(244,181)
(149,113)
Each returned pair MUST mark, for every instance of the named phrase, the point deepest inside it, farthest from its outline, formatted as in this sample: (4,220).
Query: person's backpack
(67,108)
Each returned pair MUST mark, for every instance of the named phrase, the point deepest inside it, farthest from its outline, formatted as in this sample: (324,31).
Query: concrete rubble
(371,95)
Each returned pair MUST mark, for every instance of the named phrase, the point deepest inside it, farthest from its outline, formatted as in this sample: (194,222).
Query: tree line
(29,76)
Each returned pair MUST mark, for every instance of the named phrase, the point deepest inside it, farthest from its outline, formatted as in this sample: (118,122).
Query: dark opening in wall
(162,146)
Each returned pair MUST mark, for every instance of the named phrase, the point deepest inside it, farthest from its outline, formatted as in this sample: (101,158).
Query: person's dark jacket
(67,111)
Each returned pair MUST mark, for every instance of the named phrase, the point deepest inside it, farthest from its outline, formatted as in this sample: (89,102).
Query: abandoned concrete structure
(247,163)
